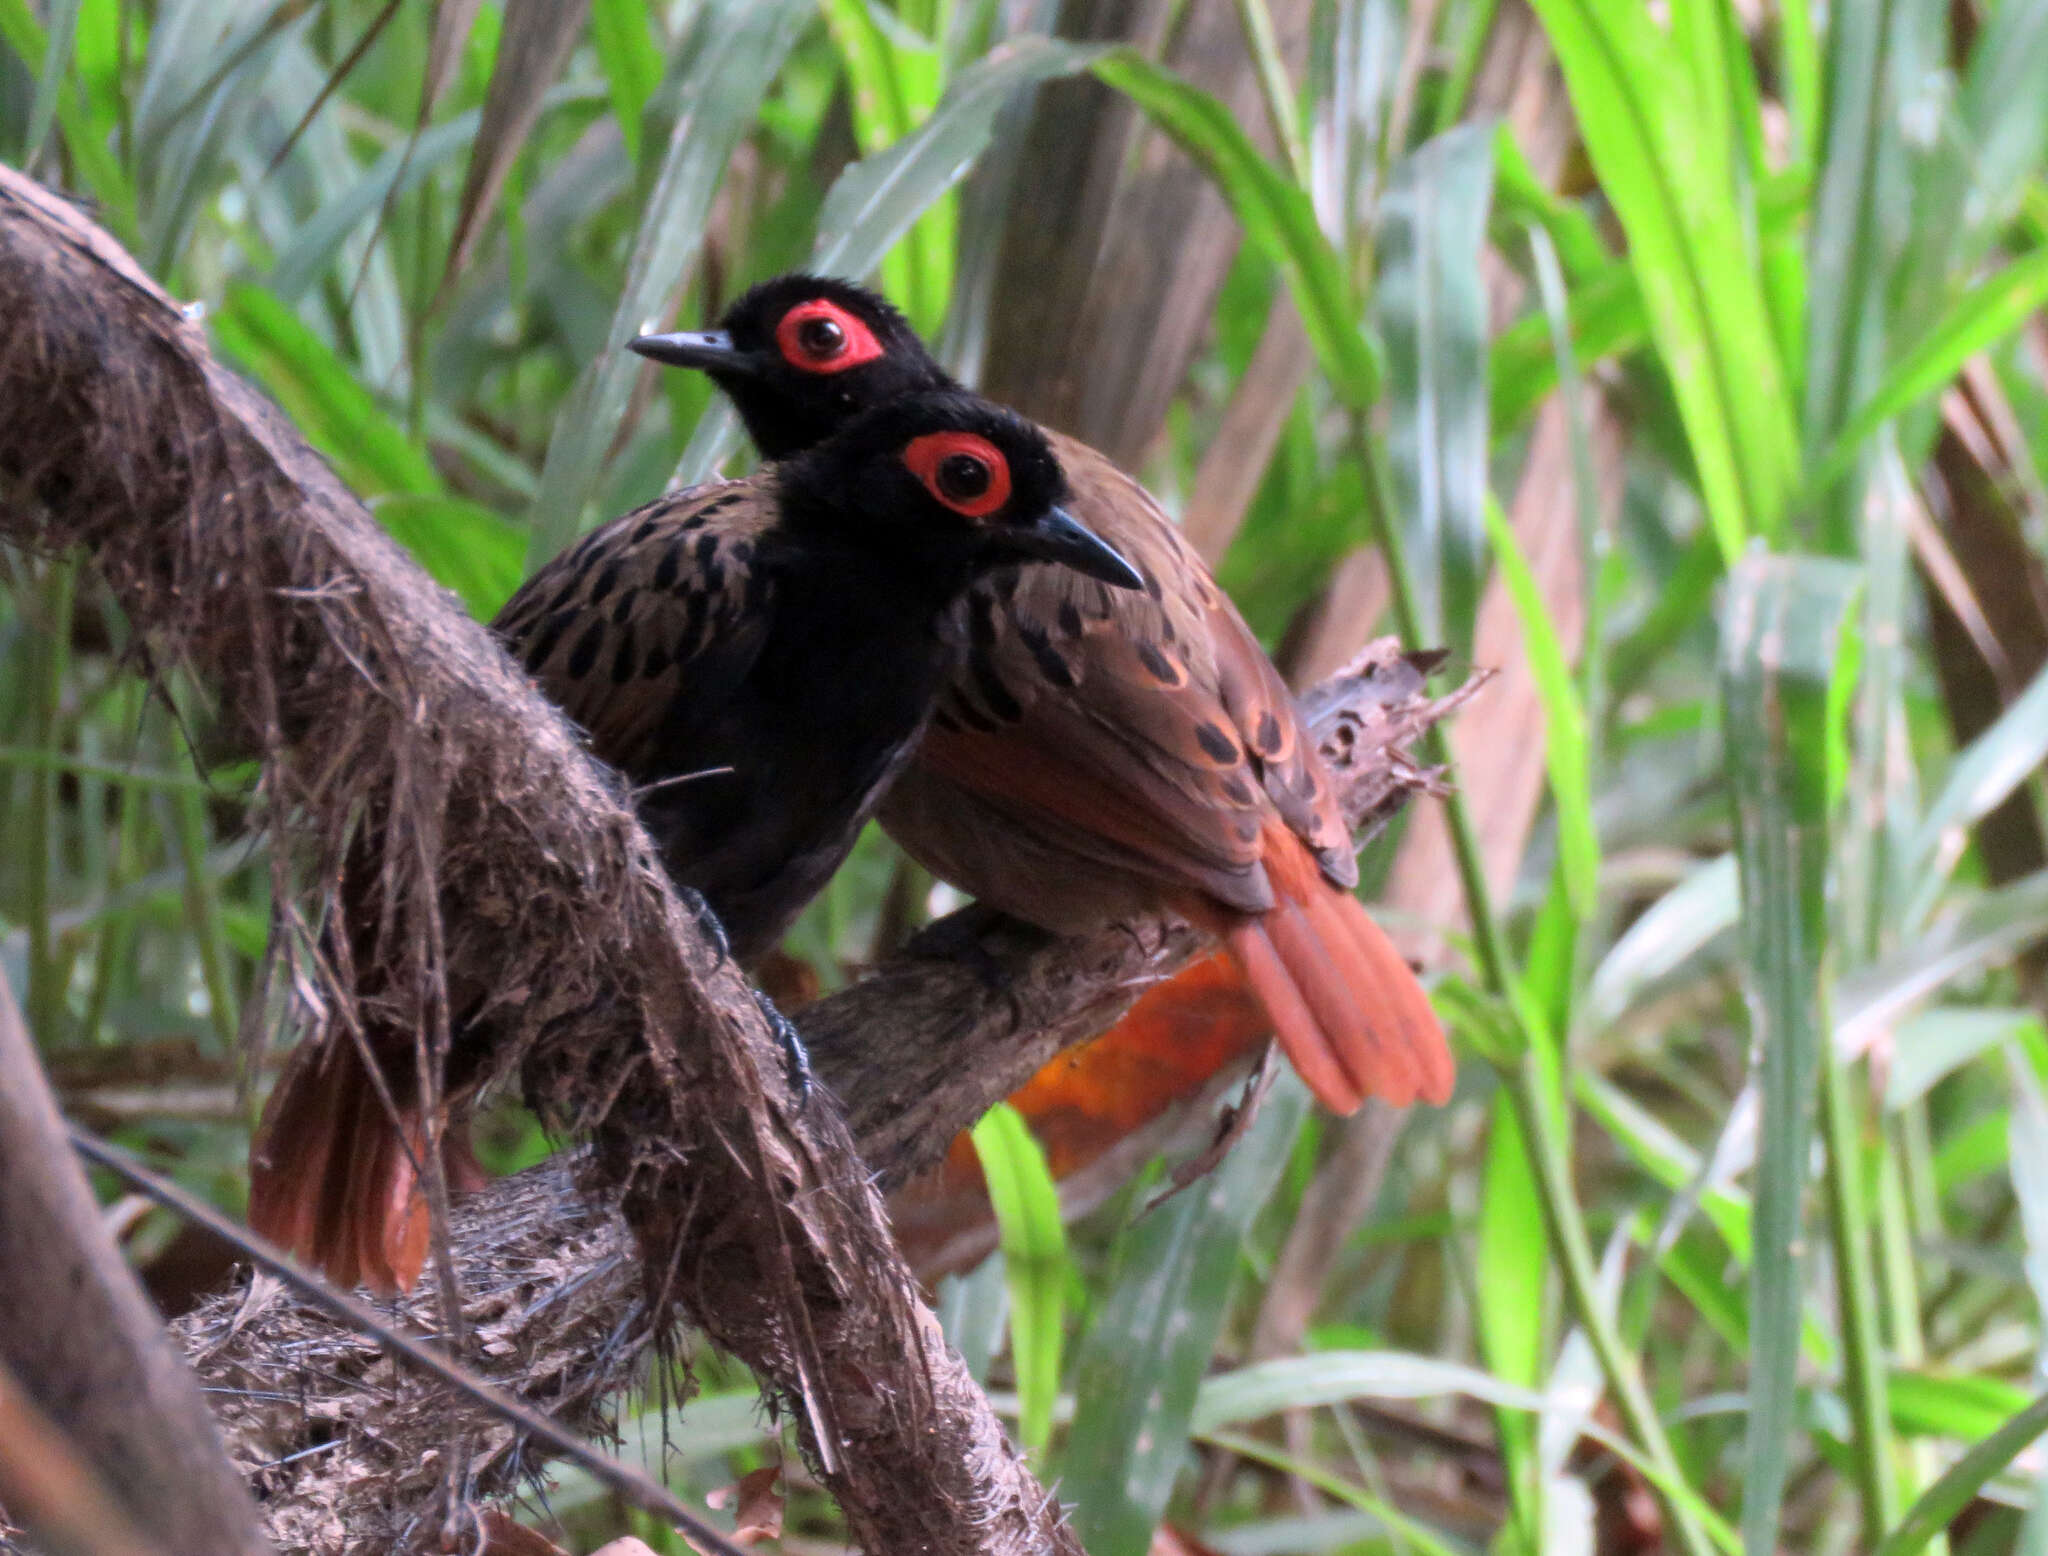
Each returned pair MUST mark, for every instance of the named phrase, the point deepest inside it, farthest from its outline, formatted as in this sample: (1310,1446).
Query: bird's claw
(708,924)
(796,1058)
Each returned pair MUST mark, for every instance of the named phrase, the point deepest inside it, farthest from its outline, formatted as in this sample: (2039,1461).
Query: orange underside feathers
(334,1180)
(1344,1003)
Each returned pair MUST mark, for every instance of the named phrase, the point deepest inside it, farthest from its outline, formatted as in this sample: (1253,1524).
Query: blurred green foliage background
(1688,361)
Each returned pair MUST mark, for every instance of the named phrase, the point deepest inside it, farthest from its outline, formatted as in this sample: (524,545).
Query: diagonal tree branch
(508,862)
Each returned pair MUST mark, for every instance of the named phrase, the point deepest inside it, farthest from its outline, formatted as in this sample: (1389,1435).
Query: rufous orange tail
(1345,1005)
(334,1177)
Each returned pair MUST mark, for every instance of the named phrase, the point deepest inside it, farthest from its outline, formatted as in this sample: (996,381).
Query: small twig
(630,1483)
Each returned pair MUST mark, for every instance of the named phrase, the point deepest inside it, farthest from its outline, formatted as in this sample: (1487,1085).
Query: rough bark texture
(508,860)
(88,1354)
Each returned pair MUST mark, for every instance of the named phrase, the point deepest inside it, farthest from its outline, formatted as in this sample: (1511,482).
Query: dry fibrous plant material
(507,861)
(387,721)
(916,1052)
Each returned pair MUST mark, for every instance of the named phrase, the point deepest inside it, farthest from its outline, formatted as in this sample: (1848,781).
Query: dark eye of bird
(821,338)
(962,477)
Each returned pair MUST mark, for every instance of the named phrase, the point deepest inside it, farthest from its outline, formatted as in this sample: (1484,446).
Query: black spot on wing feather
(606,581)
(623,664)
(1266,739)
(1047,658)
(584,655)
(708,564)
(1161,666)
(623,611)
(567,592)
(694,613)
(1216,742)
(671,564)
(543,646)
(1000,701)
(658,660)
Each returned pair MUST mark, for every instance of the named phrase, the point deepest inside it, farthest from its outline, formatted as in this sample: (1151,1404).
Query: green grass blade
(1940,1504)
(875,201)
(1983,931)
(737,59)
(1431,307)
(894,76)
(1511,1260)
(1675,198)
(1407,1534)
(1263,1389)
(1332,1377)
(1142,1364)
(1664,938)
(1275,214)
(95,165)
(1606,318)
(1984,772)
(1858,205)
(336,413)
(63,29)
(1354,51)
(395,173)
(1786,633)
(632,63)
(1565,749)
(1972,179)
(1982,317)
(1034,1244)
(1934,1044)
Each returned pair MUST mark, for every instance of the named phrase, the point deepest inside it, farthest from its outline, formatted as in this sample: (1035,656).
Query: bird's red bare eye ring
(822,337)
(927,458)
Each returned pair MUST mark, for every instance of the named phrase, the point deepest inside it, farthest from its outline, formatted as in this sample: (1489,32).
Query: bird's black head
(947,486)
(800,356)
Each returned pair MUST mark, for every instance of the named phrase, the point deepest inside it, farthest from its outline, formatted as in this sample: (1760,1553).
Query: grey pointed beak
(1057,536)
(711,350)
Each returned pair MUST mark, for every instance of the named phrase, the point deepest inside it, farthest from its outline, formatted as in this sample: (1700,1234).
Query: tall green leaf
(1787,649)
(1275,214)
(1636,107)
(1431,305)
(1034,1244)
(1565,747)
(1864,181)
(337,414)
(1141,1366)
